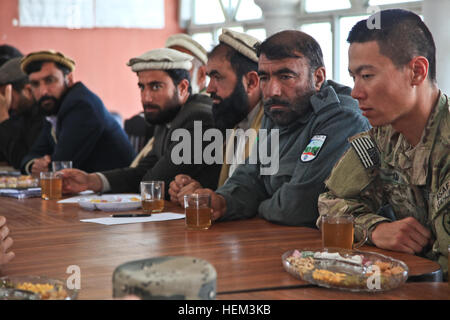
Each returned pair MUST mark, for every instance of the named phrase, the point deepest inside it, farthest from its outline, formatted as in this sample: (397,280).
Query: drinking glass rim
(196,195)
(337,219)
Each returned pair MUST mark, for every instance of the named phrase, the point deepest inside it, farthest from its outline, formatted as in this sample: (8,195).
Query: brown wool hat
(47,55)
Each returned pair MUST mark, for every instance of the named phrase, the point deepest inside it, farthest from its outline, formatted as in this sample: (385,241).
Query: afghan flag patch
(312,149)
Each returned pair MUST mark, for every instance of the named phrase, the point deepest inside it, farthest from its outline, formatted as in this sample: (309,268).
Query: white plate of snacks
(123,202)
(351,270)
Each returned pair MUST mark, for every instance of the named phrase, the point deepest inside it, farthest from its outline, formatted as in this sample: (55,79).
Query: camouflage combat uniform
(393,180)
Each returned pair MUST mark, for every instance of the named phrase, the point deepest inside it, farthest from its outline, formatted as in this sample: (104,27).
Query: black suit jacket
(17,135)
(158,164)
(86,134)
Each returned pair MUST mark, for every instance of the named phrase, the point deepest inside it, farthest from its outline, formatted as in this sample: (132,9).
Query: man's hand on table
(5,243)
(75,181)
(406,235)
(218,203)
(40,165)
(182,185)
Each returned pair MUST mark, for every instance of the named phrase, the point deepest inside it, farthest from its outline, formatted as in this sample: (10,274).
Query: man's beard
(53,108)
(164,115)
(296,109)
(24,106)
(231,110)
(49,110)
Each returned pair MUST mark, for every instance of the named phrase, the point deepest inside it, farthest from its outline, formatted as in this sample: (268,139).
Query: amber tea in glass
(152,196)
(198,211)
(51,186)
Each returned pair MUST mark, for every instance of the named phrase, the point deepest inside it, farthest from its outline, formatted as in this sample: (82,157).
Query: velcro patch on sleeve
(366,151)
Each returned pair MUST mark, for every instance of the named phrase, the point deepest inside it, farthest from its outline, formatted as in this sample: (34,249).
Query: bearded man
(78,128)
(308,119)
(237,104)
(164,83)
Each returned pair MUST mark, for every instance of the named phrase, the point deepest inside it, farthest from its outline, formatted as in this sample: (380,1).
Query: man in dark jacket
(163,79)
(20,119)
(79,127)
(307,123)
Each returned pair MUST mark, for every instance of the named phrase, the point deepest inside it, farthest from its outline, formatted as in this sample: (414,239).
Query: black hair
(36,66)
(8,52)
(240,64)
(288,43)
(177,75)
(401,36)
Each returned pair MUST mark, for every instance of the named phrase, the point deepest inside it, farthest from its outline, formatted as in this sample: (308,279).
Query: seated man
(395,179)
(163,76)
(79,128)
(308,120)
(237,103)
(20,119)
(5,243)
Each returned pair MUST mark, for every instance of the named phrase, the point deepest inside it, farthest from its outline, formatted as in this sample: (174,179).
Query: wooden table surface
(49,237)
(408,291)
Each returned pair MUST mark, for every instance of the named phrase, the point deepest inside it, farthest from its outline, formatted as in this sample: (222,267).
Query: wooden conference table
(49,237)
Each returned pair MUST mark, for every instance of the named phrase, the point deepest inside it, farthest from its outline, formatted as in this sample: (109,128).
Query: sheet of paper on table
(164,216)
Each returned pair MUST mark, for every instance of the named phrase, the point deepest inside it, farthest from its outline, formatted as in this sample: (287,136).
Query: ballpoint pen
(130,215)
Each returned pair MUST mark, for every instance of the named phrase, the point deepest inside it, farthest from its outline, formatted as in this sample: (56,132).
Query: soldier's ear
(419,70)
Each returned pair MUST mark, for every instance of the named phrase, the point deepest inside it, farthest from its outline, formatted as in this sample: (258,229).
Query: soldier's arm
(353,189)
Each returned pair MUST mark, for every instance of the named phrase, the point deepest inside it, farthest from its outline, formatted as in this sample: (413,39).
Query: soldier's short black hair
(240,64)
(288,43)
(401,36)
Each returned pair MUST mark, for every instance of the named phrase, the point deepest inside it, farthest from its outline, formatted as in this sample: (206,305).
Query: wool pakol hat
(10,72)
(185,41)
(243,43)
(47,55)
(161,59)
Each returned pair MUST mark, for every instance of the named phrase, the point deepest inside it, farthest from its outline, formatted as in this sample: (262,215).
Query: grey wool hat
(185,41)
(10,72)
(242,42)
(161,59)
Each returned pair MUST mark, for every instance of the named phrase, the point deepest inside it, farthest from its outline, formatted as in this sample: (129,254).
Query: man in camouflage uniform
(395,179)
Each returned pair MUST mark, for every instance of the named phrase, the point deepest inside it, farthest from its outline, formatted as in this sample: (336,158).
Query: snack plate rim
(292,271)
(86,203)
(72,294)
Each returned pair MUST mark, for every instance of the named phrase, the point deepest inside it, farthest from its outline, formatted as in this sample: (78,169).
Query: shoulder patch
(312,149)
(367,151)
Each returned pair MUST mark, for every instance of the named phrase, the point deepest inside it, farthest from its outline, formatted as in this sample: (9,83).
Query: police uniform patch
(312,149)
(366,151)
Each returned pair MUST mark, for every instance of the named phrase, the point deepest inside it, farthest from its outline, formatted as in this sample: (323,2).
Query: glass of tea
(51,186)
(338,232)
(59,165)
(152,196)
(198,211)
